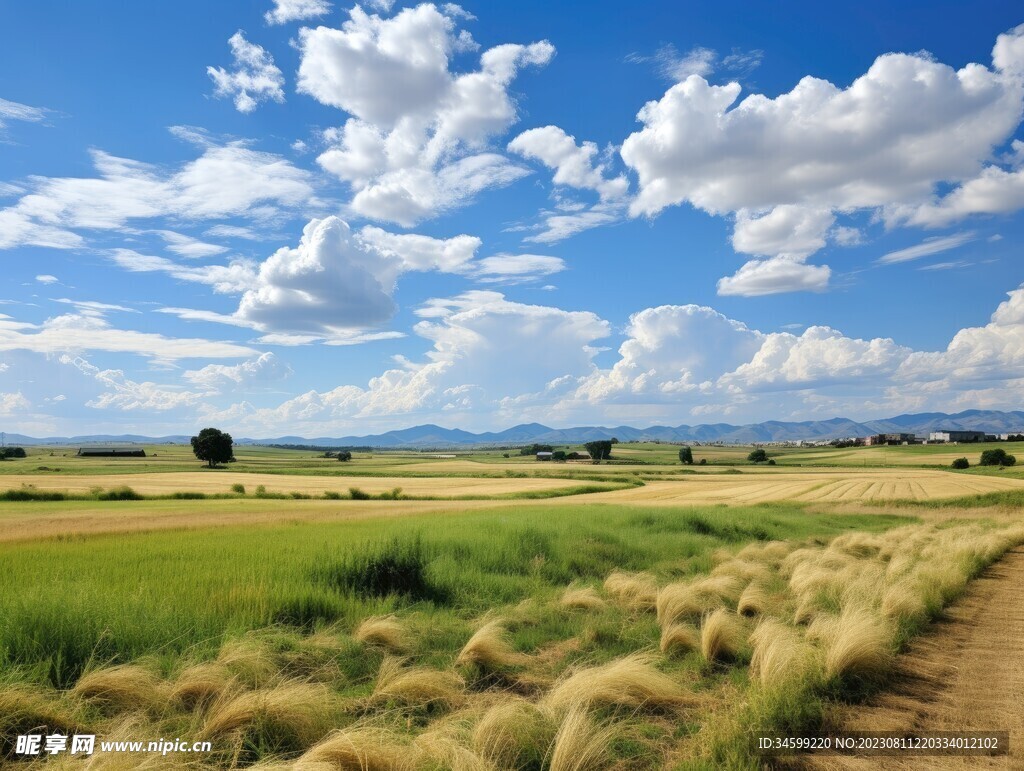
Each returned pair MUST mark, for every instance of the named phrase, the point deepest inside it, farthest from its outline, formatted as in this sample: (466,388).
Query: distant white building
(545,455)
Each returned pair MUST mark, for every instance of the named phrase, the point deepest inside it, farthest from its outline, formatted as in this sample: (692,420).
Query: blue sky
(303,217)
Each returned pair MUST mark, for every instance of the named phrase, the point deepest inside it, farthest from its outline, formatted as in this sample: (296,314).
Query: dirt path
(966,674)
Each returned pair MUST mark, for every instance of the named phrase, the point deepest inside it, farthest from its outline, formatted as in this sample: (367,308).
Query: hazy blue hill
(430,436)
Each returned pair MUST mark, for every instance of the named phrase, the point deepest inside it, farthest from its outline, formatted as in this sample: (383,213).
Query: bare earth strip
(967,674)
(221,481)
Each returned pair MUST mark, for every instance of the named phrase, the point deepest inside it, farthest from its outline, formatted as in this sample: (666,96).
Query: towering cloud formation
(414,145)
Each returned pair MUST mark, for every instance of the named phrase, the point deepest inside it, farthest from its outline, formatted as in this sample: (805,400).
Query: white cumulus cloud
(254,79)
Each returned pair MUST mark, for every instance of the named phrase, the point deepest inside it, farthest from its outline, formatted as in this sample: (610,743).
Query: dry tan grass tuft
(632,682)
(489,648)
(684,601)
(200,684)
(637,591)
(360,749)
(904,600)
(417,686)
(679,639)
(779,653)
(383,632)
(746,570)
(23,708)
(581,744)
(721,636)
(291,715)
(129,687)
(754,601)
(861,645)
(581,598)
(449,753)
(250,660)
(510,733)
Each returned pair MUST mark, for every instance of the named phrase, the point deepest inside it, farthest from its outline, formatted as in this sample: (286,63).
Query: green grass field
(495,635)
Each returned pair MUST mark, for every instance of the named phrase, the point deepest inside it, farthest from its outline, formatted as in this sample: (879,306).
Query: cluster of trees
(600,449)
(11,452)
(533,449)
(686,456)
(342,455)
(997,457)
(1015,438)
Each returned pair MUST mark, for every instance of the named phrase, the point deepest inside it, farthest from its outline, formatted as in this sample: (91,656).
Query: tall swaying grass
(490,649)
(632,682)
(383,631)
(637,591)
(496,665)
(722,636)
(417,686)
(582,743)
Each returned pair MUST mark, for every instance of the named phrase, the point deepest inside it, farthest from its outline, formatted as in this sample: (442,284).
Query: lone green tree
(344,456)
(758,456)
(213,446)
(686,456)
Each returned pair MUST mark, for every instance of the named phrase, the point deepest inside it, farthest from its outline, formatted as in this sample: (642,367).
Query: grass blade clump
(754,601)
(861,646)
(637,591)
(286,718)
(779,654)
(383,632)
(397,567)
(128,687)
(679,639)
(199,685)
(514,734)
(417,686)
(721,636)
(360,748)
(632,682)
(490,649)
(582,743)
(581,598)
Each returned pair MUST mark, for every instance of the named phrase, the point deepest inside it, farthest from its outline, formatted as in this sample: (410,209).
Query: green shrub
(332,495)
(358,495)
(122,493)
(996,457)
(32,494)
(189,495)
(238,488)
(961,463)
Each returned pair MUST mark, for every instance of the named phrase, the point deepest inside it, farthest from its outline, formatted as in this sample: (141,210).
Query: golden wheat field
(811,486)
(166,483)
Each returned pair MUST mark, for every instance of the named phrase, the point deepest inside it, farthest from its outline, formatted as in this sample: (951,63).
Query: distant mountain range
(435,437)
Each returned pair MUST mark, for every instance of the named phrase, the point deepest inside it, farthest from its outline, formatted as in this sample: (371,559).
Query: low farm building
(544,455)
(112,451)
(959,436)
